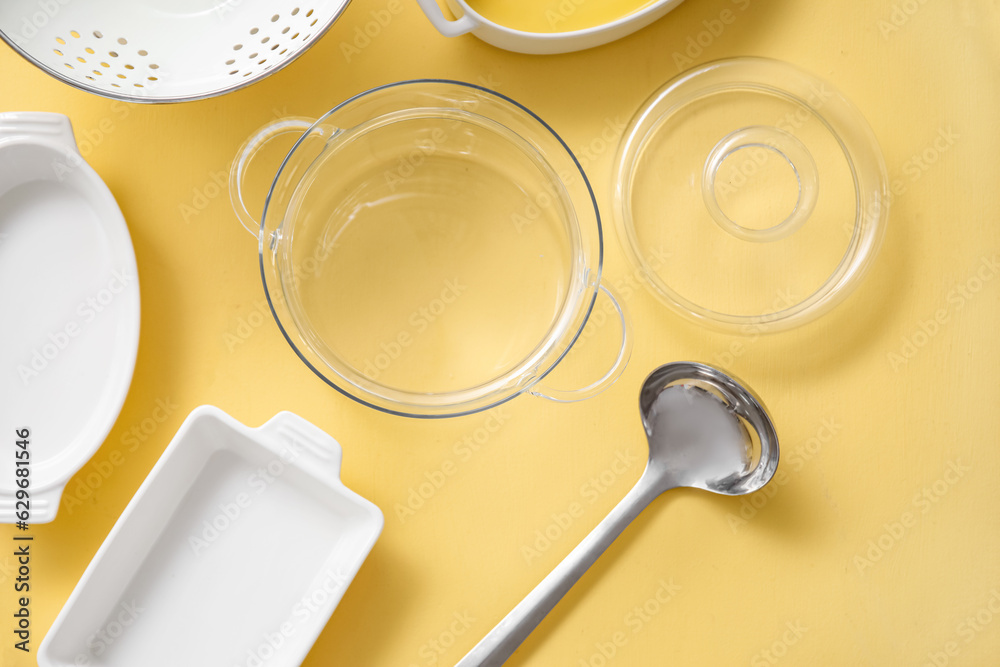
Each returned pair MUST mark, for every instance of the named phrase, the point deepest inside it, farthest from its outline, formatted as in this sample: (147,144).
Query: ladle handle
(503,640)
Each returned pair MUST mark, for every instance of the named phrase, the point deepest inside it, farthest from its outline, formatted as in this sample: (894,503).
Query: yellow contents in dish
(556,15)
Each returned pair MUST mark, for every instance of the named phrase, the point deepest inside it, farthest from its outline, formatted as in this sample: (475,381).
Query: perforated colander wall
(113,61)
(142,50)
(265,45)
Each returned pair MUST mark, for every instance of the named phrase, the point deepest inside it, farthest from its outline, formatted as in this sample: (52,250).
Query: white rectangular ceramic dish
(234,551)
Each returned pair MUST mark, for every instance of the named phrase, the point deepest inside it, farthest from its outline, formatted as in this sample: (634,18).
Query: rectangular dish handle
(43,506)
(304,445)
(39,126)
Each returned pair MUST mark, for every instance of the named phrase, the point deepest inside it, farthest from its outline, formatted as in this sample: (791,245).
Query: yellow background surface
(863,436)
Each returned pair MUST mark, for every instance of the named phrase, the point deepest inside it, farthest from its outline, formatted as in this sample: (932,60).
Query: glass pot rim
(551,351)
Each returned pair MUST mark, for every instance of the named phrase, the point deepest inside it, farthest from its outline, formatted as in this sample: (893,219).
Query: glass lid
(752,196)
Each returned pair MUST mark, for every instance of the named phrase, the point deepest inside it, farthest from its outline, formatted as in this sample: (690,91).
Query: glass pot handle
(624,352)
(247,152)
(446,26)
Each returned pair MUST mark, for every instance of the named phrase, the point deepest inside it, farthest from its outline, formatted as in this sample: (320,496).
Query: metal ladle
(698,422)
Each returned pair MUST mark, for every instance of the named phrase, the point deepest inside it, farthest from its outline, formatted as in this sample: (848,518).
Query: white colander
(164,50)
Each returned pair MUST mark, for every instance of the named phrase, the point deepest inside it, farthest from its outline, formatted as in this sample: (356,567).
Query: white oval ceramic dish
(69,292)
(234,551)
(523,41)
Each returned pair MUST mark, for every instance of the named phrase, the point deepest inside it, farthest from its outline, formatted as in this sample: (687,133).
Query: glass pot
(430,248)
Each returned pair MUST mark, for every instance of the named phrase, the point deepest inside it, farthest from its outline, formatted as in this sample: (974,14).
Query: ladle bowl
(706,430)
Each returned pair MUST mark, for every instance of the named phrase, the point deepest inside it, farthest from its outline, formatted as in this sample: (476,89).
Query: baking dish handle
(37,125)
(245,155)
(42,508)
(624,353)
(446,26)
(298,442)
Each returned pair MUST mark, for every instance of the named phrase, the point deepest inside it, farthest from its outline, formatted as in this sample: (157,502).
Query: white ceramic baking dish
(69,294)
(234,551)
(522,41)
